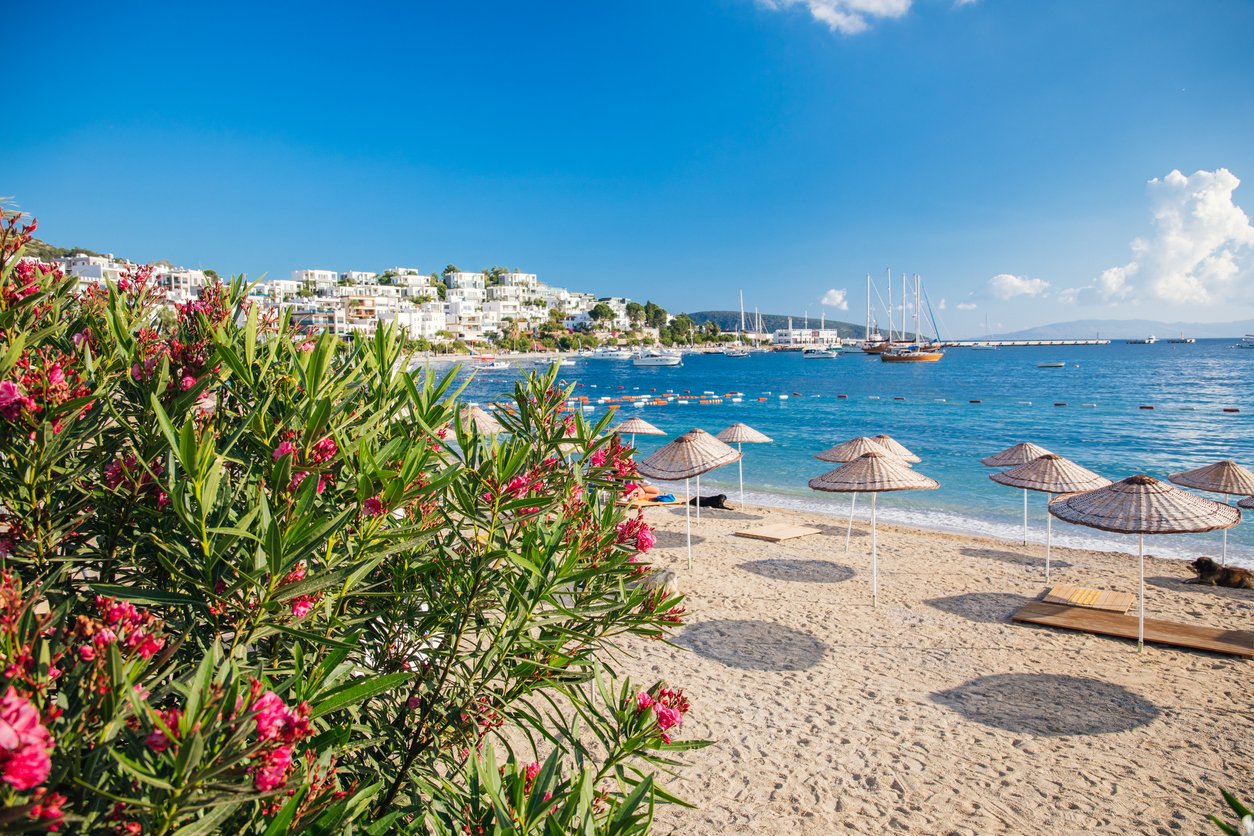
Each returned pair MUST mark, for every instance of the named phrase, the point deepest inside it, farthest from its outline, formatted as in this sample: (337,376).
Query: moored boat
(657,358)
(1150,340)
(912,354)
(1247,342)
(815,353)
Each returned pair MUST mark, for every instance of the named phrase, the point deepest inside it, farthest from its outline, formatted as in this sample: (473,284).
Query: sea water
(951,414)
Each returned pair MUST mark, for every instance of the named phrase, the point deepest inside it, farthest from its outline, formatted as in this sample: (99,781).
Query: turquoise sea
(952,413)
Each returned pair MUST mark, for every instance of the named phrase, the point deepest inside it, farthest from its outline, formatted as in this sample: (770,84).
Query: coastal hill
(1129,329)
(729,321)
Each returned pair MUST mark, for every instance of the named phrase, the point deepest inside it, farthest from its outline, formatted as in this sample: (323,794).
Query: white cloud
(1200,246)
(849,17)
(836,299)
(965,306)
(1007,286)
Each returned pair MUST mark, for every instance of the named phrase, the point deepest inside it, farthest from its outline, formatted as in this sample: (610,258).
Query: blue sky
(1018,155)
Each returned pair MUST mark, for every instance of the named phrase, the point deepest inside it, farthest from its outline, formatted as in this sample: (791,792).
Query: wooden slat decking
(1195,636)
(778,533)
(1094,599)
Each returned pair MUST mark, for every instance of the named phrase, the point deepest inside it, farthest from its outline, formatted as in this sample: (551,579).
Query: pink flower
(275,721)
(24,743)
(301,605)
(643,701)
(307,346)
(282,450)
(531,770)
(372,507)
(188,382)
(12,400)
(598,458)
(645,539)
(272,773)
(158,740)
(87,652)
(667,717)
(56,377)
(324,451)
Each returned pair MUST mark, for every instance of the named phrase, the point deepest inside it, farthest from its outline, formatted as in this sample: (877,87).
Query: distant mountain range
(730,321)
(1127,329)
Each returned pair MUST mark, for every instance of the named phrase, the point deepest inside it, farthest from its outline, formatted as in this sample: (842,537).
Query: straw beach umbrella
(873,473)
(741,434)
(637,426)
(1248,502)
(693,453)
(896,448)
(1013,456)
(1052,475)
(848,451)
(1225,477)
(481,420)
(1143,505)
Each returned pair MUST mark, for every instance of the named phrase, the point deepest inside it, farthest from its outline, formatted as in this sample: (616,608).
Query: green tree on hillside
(601,312)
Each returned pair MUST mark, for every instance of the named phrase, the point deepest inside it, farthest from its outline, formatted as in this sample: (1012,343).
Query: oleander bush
(257,580)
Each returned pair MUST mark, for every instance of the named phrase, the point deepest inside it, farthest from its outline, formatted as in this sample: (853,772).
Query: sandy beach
(933,713)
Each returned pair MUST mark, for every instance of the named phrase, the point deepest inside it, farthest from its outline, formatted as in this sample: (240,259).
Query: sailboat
(737,349)
(874,342)
(917,352)
(987,345)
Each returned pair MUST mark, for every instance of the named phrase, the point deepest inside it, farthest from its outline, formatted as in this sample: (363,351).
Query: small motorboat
(1051,365)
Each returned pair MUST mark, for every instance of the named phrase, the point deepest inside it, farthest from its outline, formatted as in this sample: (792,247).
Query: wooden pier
(1019,343)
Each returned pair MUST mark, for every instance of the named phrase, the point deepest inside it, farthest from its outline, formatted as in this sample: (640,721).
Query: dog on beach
(1211,573)
(719,502)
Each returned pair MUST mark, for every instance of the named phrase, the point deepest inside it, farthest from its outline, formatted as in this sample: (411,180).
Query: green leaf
(358,691)
(152,597)
(280,823)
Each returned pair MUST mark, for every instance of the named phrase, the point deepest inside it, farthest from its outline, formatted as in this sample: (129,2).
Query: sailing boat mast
(741,336)
(891,321)
(903,307)
(916,307)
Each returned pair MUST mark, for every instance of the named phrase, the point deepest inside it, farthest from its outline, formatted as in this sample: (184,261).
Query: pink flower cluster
(158,740)
(322,452)
(278,730)
(126,624)
(127,470)
(637,530)
(669,708)
(301,604)
(25,744)
(373,507)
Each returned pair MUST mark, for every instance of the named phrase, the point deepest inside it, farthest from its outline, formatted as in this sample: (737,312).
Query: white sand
(935,714)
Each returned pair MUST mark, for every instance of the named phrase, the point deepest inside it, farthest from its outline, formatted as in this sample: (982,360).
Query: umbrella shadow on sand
(1180,585)
(991,607)
(799,570)
(675,539)
(1013,557)
(1049,705)
(753,645)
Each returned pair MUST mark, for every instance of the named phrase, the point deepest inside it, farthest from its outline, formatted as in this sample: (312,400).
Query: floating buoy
(783,397)
(1231,409)
(1089,405)
(872,397)
(898,398)
(843,397)
(1060,404)
(1145,407)
(1025,403)
(975,401)
(737,400)
(682,403)
(760,400)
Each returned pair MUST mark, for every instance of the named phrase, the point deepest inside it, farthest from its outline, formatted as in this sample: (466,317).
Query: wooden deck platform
(1094,599)
(1098,622)
(778,533)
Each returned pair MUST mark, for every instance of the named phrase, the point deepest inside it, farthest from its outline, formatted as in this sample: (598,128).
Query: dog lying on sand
(1211,573)
(719,501)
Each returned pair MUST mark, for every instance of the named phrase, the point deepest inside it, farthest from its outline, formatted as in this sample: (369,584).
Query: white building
(805,337)
(320,281)
(94,269)
(359,277)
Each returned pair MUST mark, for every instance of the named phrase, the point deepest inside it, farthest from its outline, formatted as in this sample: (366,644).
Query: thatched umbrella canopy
(1143,505)
(480,420)
(895,447)
(741,434)
(1225,477)
(1248,502)
(1013,456)
(693,453)
(849,450)
(1050,474)
(637,426)
(873,473)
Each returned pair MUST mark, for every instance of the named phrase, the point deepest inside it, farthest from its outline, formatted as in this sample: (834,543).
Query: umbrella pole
(1025,516)
(875,572)
(698,500)
(741,464)
(1223,561)
(849,529)
(1140,636)
(1049,533)
(688,517)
